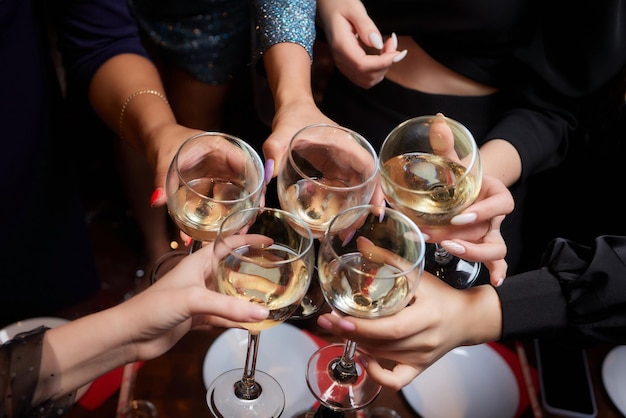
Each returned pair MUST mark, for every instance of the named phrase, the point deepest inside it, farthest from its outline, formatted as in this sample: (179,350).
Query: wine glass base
(139,408)
(223,403)
(457,272)
(346,396)
(165,263)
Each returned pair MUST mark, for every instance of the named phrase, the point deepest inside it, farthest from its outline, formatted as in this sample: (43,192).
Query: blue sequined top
(285,21)
(215,39)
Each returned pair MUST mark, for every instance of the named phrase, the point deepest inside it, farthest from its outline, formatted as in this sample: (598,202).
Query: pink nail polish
(269,170)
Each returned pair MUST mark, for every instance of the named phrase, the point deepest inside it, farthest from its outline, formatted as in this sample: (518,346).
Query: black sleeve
(91,32)
(559,66)
(20,361)
(580,292)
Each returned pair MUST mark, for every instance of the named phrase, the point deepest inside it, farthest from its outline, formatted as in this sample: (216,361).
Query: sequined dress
(214,39)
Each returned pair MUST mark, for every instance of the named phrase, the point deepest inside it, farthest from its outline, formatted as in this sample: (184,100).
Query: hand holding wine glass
(368,268)
(212,175)
(273,268)
(430,170)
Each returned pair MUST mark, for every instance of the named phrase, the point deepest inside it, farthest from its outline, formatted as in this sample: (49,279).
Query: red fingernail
(155,195)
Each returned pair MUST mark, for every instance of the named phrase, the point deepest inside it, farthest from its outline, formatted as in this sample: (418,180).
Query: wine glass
(329,168)
(312,302)
(133,408)
(368,268)
(269,262)
(212,175)
(430,170)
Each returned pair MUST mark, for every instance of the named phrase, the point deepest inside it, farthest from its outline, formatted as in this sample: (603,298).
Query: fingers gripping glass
(430,170)
(212,175)
(270,262)
(328,169)
(369,268)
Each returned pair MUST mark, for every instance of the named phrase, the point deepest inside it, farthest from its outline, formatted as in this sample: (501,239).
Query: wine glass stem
(126,389)
(344,370)
(247,387)
(442,256)
(196,244)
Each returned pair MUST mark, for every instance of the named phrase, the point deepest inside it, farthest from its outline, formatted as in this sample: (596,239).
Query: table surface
(173,381)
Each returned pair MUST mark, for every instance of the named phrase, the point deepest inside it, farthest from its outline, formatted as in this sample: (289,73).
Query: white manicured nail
(394,39)
(453,247)
(464,219)
(400,56)
(376,40)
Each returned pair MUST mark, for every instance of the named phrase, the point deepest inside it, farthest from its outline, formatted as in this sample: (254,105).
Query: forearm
(114,83)
(289,83)
(79,352)
(501,160)
(483,314)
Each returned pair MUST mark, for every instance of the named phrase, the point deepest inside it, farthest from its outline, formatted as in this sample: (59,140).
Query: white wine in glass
(212,175)
(430,170)
(270,263)
(329,168)
(369,269)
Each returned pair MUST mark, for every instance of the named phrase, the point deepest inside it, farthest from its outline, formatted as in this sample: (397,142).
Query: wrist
(485,317)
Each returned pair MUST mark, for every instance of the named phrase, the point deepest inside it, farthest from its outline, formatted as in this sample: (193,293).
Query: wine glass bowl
(371,269)
(212,175)
(368,269)
(265,261)
(430,169)
(312,301)
(429,187)
(276,275)
(329,168)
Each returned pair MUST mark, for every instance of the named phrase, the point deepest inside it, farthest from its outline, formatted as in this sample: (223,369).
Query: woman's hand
(160,150)
(356,43)
(180,301)
(288,120)
(475,234)
(440,319)
(141,328)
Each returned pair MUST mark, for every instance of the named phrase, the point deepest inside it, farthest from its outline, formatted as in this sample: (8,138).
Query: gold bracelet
(131,97)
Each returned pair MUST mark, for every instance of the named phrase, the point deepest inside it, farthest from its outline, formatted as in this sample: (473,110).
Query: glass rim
(474,162)
(309,240)
(364,142)
(419,261)
(258,162)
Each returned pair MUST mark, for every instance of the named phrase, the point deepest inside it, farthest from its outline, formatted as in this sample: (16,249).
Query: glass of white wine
(328,169)
(270,262)
(212,175)
(369,268)
(430,170)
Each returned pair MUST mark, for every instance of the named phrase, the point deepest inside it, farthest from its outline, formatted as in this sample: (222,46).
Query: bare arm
(80,351)
(289,75)
(148,124)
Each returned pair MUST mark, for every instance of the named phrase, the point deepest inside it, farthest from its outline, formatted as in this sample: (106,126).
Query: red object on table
(102,388)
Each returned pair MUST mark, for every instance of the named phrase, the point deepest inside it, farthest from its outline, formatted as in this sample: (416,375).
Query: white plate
(614,376)
(467,382)
(15,328)
(284,351)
